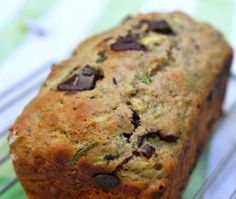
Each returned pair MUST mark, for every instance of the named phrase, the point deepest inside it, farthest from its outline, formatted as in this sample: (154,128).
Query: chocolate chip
(135,120)
(140,139)
(106,181)
(69,84)
(159,193)
(168,137)
(128,103)
(147,150)
(158,166)
(114,80)
(127,136)
(127,42)
(160,26)
(136,153)
(111,157)
(88,71)
(125,161)
(210,97)
(85,79)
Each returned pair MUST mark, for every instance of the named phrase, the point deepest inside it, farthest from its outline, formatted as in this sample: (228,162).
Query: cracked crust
(169,94)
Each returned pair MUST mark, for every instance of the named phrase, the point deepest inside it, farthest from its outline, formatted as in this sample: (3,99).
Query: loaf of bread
(127,115)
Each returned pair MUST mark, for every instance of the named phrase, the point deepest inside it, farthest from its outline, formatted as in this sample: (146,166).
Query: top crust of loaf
(147,95)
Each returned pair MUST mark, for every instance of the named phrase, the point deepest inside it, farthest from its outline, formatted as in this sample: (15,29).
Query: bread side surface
(127,115)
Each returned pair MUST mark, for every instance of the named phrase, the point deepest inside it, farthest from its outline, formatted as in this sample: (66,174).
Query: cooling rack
(21,93)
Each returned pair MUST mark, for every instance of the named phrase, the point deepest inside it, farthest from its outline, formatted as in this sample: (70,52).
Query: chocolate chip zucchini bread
(127,115)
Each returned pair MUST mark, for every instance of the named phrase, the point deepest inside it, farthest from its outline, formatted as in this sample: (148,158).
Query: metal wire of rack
(8,99)
(35,85)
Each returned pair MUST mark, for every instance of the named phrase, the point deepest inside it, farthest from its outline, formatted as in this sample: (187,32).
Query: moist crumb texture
(127,115)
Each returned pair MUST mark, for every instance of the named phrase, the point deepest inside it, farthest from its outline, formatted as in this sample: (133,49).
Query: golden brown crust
(150,113)
(209,113)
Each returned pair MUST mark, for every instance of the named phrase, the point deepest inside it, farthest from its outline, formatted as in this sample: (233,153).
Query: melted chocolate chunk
(147,150)
(127,42)
(106,181)
(140,139)
(135,120)
(160,26)
(85,79)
